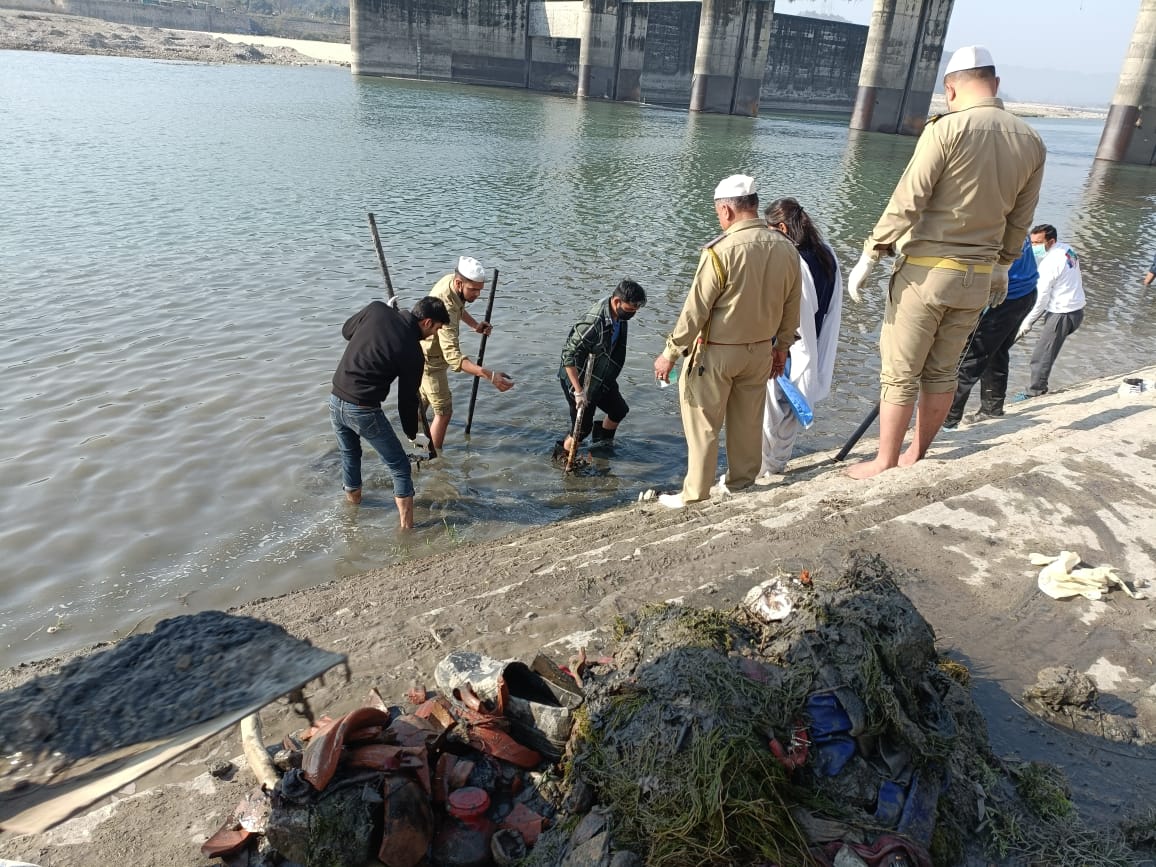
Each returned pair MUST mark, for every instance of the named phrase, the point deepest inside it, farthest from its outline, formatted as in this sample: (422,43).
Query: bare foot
(909,457)
(867,469)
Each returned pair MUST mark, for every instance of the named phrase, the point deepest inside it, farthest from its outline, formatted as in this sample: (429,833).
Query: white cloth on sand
(1060,578)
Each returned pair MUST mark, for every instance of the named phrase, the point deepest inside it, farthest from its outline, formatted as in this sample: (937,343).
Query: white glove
(1024,329)
(859,275)
(998,285)
(391,301)
(420,441)
(580,400)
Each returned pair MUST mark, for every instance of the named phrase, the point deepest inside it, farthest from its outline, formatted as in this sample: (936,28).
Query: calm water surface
(180,245)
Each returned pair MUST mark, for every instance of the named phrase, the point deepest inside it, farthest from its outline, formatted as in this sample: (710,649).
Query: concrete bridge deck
(1073,470)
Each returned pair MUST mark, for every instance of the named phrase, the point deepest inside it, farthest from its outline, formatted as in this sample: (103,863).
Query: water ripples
(189,240)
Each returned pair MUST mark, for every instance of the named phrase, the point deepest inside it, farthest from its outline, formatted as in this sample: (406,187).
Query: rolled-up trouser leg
(930,313)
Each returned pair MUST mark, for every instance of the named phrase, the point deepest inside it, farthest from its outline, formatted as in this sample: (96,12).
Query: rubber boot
(602,436)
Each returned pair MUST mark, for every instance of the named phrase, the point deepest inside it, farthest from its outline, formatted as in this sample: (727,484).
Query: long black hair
(801,231)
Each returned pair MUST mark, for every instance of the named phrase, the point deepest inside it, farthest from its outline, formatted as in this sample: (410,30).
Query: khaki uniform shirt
(969,191)
(442,350)
(759,300)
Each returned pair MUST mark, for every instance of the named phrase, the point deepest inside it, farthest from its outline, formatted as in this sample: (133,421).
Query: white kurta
(812,366)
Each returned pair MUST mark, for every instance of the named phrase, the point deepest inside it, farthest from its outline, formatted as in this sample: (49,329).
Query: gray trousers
(1054,330)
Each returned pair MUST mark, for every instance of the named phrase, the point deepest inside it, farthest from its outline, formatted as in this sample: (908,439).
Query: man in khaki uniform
(957,218)
(735,328)
(443,351)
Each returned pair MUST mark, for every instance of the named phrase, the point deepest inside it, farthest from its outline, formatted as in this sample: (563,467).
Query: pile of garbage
(813,724)
(460,780)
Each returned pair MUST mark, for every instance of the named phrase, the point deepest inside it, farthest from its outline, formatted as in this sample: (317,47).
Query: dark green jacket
(592,335)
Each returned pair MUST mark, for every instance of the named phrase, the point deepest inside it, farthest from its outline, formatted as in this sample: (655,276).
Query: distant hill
(1049,86)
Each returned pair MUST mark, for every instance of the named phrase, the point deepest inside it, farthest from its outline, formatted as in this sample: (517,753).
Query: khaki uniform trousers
(435,391)
(732,391)
(930,314)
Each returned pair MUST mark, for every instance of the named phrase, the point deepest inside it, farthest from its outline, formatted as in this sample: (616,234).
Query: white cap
(969,57)
(735,186)
(471,269)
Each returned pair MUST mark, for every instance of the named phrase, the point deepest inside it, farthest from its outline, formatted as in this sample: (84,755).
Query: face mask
(626,315)
(1039,251)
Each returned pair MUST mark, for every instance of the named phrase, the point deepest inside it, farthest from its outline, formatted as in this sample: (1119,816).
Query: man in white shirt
(1060,302)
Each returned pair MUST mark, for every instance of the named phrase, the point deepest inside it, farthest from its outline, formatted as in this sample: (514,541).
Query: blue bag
(795,398)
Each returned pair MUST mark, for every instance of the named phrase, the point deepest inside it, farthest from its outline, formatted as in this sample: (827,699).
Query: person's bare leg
(933,409)
(893,421)
(438,428)
(405,511)
(607,424)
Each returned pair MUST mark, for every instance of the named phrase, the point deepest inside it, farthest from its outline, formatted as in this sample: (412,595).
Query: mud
(187,670)
(958,529)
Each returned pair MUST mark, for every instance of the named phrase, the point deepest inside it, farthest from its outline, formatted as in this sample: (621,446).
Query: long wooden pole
(433,452)
(573,452)
(481,354)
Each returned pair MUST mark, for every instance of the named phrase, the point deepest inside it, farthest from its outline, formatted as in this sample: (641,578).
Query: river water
(180,245)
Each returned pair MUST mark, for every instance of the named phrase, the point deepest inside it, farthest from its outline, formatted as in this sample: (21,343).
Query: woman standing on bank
(812,359)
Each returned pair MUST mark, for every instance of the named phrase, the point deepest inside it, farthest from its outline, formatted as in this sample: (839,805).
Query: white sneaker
(671,501)
(721,489)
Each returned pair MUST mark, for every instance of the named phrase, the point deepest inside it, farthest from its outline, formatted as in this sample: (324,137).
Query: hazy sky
(1080,35)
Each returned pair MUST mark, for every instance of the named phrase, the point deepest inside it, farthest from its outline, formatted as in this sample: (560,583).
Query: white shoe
(721,489)
(671,501)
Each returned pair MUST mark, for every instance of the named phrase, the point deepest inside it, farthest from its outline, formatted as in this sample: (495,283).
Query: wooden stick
(481,354)
(257,757)
(573,452)
(433,452)
(380,255)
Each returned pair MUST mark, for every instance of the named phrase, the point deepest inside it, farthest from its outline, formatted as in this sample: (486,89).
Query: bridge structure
(711,56)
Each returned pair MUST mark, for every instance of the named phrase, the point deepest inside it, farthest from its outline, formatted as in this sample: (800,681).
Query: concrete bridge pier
(598,28)
(731,58)
(1130,131)
(901,65)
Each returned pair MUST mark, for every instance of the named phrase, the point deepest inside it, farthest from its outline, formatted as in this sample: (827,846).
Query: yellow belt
(932,262)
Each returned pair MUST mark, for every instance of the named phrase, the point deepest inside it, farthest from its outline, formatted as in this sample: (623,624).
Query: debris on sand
(1066,697)
(814,724)
(835,735)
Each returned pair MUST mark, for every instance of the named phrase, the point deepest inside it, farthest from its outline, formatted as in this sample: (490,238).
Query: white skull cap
(969,57)
(735,186)
(471,269)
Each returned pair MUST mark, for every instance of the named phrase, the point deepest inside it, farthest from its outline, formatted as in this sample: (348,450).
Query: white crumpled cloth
(1060,578)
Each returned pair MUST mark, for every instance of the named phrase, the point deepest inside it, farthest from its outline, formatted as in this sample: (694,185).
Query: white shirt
(1061,286)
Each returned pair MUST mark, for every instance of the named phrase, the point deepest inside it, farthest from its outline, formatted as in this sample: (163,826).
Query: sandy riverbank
(1032,109)
(1073,470)
(70,34)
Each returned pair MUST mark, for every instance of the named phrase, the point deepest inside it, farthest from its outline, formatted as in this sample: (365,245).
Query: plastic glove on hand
(391,301)
(1023,329)
(859,275)
(998,292)
(421,441)
(580,400)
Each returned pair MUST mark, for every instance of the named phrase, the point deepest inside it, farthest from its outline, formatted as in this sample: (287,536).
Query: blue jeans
(352,424)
